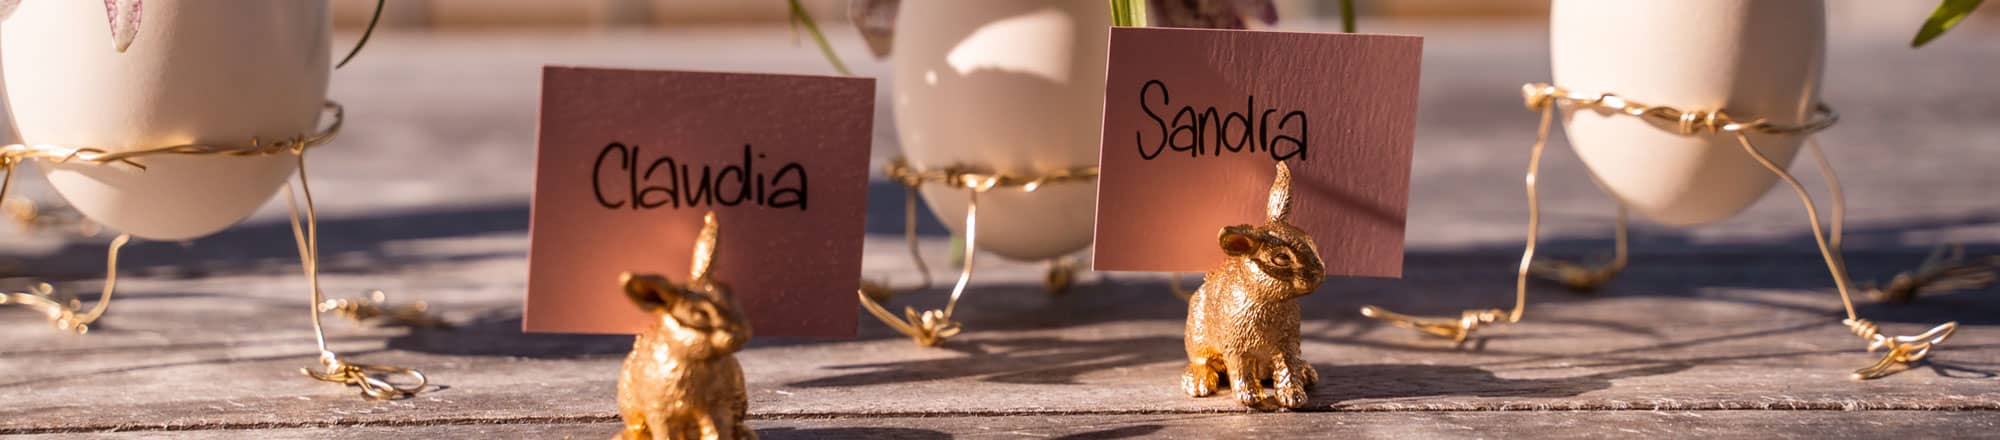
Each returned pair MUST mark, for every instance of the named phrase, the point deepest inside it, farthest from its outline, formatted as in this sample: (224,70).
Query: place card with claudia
(1194,120)
(629,161)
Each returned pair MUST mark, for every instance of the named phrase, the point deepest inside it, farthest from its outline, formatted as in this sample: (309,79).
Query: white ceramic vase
(1012,86)
(215,72)
(1752,58)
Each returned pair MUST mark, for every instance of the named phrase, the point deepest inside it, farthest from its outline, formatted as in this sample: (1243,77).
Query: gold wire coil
(306,235)
(371,379)
(1545,98)
(932,327)
(1457,331)
(1539,96)
(376,307)
(15,153)
(1946,269)
(35,218)
(62,312)
(972,178)
(1903,350)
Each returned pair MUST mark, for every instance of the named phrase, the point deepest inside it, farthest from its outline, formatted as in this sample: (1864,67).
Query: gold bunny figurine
(1244,321)
(682,380)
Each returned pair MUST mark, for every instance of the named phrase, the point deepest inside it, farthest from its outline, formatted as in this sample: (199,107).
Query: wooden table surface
(1729,330)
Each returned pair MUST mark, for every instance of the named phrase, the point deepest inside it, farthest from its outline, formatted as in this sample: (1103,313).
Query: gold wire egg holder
(1939,272)
(932,327)
(65,313)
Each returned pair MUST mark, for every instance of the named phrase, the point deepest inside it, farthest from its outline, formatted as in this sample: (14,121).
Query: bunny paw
(1307,375)
(1291,396)
(1199,380)
(1255,400)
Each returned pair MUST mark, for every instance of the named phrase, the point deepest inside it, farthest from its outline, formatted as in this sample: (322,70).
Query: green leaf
(1128,13)
(800,18)
(1947,15)
(364,34)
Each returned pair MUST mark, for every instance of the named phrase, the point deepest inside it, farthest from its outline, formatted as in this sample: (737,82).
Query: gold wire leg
(1458,330)
(35,218)
(1839,198)
(931,327)
(1903,350)
(62,313)
(879,292)
(1060,276)
(1834,263)
(372,379)
(1174,283)
(375,307)
(1944,270)
(1581,278)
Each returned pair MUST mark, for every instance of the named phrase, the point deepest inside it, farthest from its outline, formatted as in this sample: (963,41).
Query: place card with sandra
(1194,120)
(627,163)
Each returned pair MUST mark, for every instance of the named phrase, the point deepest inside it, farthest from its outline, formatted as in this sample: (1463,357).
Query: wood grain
(1417,424)
(1729,330)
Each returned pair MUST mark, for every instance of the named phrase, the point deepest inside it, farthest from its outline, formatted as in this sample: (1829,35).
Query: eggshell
(211,72)
(1752,58)
(1013,86)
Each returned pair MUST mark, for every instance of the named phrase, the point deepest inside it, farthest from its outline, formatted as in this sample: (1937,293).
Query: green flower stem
(1347,16)
(801,18)
(1130,13)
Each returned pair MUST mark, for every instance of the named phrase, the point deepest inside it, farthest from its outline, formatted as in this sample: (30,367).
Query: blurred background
(427,193)
(457,15)
(437,158)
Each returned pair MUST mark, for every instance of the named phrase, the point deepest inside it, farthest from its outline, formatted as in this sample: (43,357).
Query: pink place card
(1195,120)
(628,161)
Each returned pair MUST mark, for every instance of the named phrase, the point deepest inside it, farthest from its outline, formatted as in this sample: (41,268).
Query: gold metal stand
(34,218)
(932,327)
(377,308)
(1582,278)
(60,311)
(1544,98)
(1945,270)
(373,380)
(1174,284)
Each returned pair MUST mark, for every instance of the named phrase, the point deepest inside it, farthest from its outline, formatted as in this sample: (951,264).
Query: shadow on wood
(850,433)
(498,333)
(1028,360)
(65,375)
(1340,383)
(1134,431)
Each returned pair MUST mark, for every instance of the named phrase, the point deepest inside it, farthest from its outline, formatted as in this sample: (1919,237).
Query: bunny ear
(1280,206)
(1239,240)
(645,290)
(704,249)
(123,15)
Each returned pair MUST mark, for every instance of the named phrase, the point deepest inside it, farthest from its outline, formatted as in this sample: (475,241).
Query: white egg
(1753,58)
(1013,86)
(212,72)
